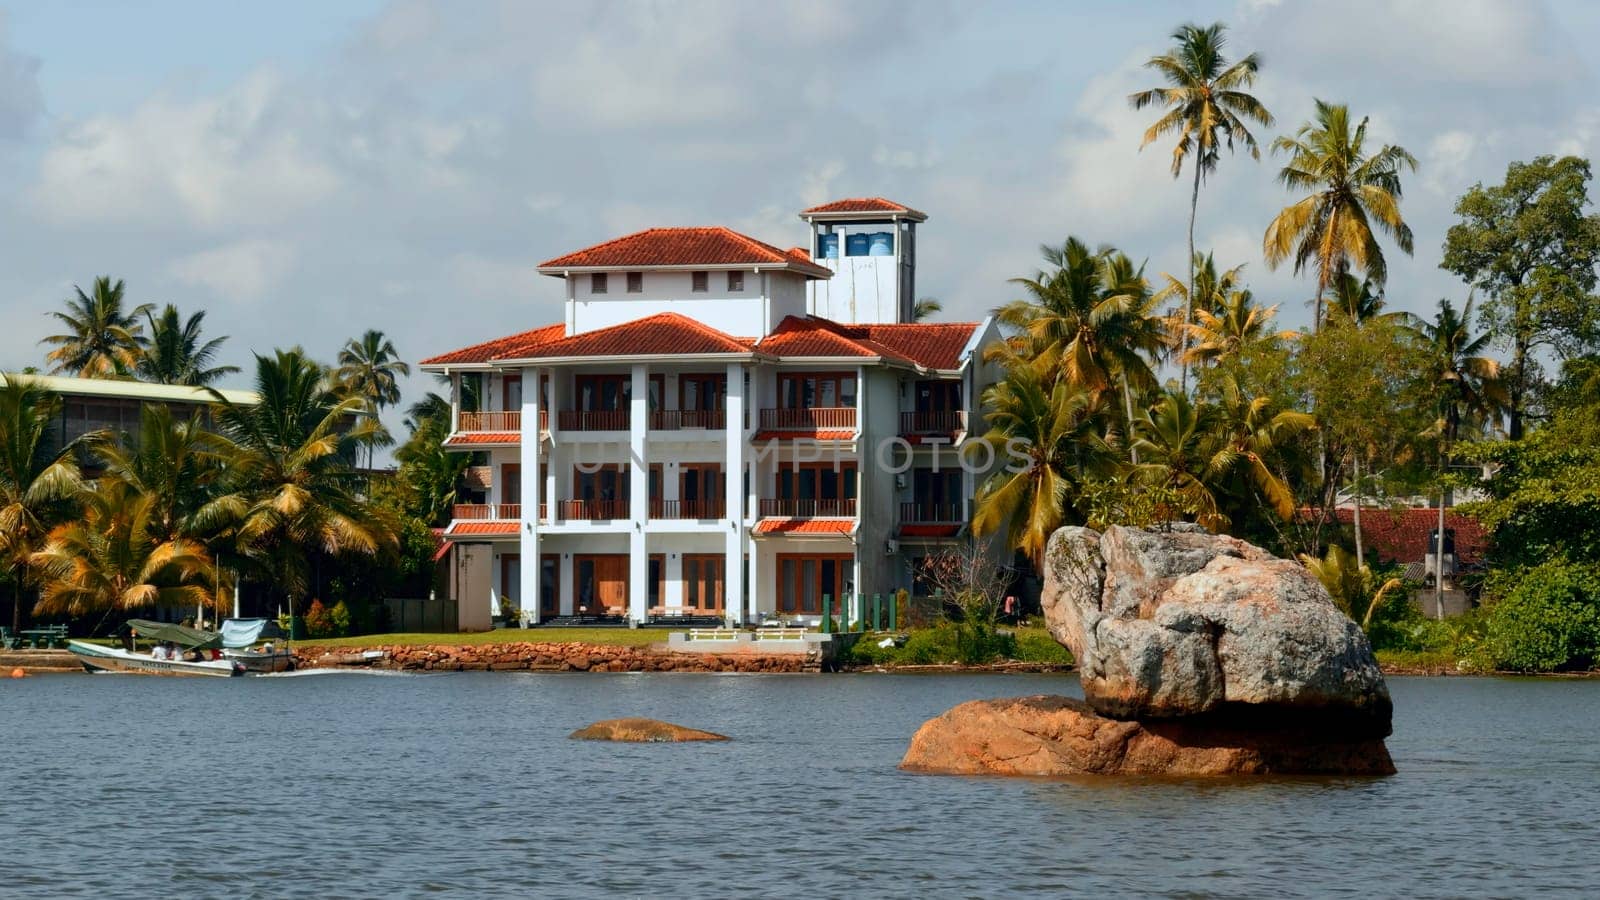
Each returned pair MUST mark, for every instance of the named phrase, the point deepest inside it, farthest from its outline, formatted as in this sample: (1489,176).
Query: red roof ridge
(862,204)
(764,253)
(486,349)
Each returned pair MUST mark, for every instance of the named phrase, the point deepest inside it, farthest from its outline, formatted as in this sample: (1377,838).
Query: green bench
(44,638)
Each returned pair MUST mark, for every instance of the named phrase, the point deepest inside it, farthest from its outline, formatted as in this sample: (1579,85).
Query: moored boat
(239,637)
(96,658)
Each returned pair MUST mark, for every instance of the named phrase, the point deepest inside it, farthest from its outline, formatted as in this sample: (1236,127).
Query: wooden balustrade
(594,420)
(951,421)
(678,419)
(592,510)
(931,513)
(498,512)
(809,509)
(809,419)
(498,420)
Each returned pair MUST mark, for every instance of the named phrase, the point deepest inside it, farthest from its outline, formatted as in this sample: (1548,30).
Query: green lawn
(621,637)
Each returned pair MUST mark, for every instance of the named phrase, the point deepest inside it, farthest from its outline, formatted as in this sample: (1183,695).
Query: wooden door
(703,581)
(549,585)
(602,582)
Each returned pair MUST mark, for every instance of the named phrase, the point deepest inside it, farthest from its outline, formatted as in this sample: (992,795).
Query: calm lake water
(361,785)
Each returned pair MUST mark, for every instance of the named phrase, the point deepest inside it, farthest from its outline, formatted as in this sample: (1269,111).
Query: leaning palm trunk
(1360,557)
(1188,305)
(1127,402)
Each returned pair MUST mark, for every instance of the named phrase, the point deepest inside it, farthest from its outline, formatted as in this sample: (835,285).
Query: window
(697,282)
(549,585)
(818,485)
(804,580)
(938,396)
(702,392)
(597,283)
(817,391)
(703,579)
(608,484)
(603,393)
(657,578)
(635,282)
(735,281)
(700,490)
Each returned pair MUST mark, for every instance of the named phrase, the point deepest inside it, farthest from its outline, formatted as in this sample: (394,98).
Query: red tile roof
(500,348)
(483,437)
(1402,535)
(652,335)
(934,346)
(682,247)
(812,435)
(805,526)
(863,205)
(459,529)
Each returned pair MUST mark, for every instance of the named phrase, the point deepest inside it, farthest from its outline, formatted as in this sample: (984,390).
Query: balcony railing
(592,510)
(498,420)
(496,512)
(677,419)
(809,419)
(950,421)
(594,420)
(686,509)
(931,513)
(809,509)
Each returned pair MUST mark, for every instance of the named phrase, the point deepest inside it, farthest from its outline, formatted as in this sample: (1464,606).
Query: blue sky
(307,170)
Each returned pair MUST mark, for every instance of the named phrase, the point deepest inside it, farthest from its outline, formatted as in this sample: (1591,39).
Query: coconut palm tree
(925,308)
(1060,429)
(1467,382)
(1349,193)
(39,479)
(1256,438)
(1353,300)
(1353,586)
(112,560)
(370,368)
(429,472)
(1211,289)
(101,340)
(173,352)
(291,470)
(180,463)
(1180,444)
(1207,106)
(1237,326)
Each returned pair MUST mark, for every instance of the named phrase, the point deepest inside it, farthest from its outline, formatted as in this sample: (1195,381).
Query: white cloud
(245,270)
(21,101)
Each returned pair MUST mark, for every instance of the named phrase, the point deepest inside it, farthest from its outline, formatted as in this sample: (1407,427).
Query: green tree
(1236,328)
(111,559)
(1206,104)
(1348,194)
(174,352)
(370,368)
(926,308)
(1353,299)
(291,467)
(39,479)
(1531,248)
(429,473)
(101,340)
(1049,438)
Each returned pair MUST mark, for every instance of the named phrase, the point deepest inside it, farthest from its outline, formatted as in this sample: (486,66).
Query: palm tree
(113,560)
(1353,586)
(101,341)
(1233,330)
(1255,435)
(1352,299)
(1348,194)
(1061,429)
(1467,383)
(173,352)
(925,307)
(1205,100)
(1179,443)
(370,368)
(1210,290)
(181,464)
(291,469)
(38,480)
(430,473)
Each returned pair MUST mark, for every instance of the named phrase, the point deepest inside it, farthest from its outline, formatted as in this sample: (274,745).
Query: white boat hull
(96,658)
(255,661)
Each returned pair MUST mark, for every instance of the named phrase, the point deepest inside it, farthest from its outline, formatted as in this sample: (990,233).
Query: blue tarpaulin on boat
(238,633)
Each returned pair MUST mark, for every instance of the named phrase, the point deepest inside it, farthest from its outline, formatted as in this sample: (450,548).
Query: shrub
(339,619)
(1548,620)
(318,623)
(1038,646)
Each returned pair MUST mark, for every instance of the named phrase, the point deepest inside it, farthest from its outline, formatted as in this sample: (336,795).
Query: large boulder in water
(1056,736)
(1179,622)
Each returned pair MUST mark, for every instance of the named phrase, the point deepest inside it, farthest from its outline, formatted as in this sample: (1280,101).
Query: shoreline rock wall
(550,656)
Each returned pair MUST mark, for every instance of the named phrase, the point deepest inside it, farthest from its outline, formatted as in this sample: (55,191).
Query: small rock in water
(644,731)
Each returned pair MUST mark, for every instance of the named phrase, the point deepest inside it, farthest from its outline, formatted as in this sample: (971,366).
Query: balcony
(679,419)
(592,510)
(495,421)
(808,509)
(489,512)
(951,421)
(931,513)
(687,509)
(811,419)
(594,420)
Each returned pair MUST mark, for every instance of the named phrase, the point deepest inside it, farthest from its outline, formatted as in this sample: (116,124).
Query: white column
(552,494)
(528,528)
(639,496)
(759,581)
(455,402)
(733,491)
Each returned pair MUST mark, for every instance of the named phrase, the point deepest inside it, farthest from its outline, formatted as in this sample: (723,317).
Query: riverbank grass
(612,637)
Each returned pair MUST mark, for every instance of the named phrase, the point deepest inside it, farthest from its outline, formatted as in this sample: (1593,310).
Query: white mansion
(718,427)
